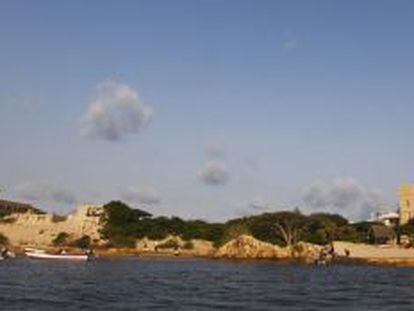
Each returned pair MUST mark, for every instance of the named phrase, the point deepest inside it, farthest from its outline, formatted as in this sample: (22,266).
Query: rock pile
(246,246)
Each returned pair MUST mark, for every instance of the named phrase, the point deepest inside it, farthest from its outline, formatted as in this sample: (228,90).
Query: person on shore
(176,251)
(90,253)
(347,252)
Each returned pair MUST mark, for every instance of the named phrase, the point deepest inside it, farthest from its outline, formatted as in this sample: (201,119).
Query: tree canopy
(123,225)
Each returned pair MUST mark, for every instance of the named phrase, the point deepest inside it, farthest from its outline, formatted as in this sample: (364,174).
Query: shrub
(121,241)
(170,243)
(83,242)
(234,230)
(61,239)
(188,245)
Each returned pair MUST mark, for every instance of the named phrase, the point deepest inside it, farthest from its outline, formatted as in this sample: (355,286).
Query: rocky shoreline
(246,247)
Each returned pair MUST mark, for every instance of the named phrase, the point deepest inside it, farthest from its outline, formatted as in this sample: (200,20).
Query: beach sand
(376,254)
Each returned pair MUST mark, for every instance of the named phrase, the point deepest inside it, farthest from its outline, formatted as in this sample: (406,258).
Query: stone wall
(30,229)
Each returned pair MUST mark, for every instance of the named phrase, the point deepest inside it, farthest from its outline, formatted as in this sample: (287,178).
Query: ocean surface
(196,284)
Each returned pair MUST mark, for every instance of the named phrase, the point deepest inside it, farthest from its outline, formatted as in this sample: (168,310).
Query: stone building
(406,203)
(31,229)
(389,219)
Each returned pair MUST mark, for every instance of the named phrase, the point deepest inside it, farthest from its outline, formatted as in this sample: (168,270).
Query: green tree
(234,229)
(323,228)
(290,227)
(119,213)
(119,220)
(281,228)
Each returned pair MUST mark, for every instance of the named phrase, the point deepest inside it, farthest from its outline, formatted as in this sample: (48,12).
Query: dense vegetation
(123,225)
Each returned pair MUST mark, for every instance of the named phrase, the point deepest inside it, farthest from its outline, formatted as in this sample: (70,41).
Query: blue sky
(210,109)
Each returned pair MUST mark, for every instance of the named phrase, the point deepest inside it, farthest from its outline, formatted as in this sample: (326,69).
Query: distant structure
(26,226)
(382,235)
(406,203)
(389,219)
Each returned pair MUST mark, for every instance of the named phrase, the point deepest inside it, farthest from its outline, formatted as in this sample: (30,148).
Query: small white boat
(34,250)
(36,254)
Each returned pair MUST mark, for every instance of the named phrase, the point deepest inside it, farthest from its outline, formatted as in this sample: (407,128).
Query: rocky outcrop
(243,247)
(202,248)
(306,252)
(246,246)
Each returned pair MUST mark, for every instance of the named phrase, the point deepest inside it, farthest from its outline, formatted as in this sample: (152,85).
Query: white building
(390,219)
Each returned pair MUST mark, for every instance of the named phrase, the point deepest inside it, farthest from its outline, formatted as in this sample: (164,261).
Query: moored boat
(40,254)
(34,250)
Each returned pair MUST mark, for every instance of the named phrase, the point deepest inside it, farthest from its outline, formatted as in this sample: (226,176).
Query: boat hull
(37,255)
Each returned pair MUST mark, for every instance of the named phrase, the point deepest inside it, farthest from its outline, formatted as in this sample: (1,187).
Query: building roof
(389,215)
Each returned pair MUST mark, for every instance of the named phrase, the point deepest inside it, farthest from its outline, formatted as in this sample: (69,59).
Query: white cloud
(44,192)
(344,196)
(144,195)
(116,111)
(214,172)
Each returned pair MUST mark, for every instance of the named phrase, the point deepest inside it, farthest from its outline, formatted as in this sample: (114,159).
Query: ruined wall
(39,230)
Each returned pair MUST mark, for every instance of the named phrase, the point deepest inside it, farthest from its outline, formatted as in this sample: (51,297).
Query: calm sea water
(184,284)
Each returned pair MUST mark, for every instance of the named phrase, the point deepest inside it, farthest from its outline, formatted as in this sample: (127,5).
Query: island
(116,229)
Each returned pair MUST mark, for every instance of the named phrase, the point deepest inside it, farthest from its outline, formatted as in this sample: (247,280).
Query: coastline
(377,261)
(119,253)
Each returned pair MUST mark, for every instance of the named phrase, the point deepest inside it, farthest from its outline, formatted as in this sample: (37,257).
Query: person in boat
(90,253)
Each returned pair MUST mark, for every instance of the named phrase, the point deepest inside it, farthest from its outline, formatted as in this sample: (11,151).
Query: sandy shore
(373,254)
